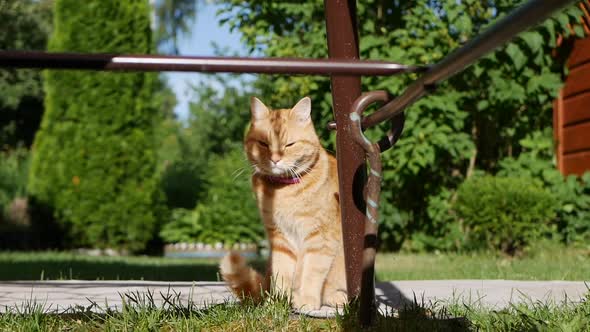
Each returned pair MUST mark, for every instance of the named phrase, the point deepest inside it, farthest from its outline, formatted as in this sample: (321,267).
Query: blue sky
(204,32)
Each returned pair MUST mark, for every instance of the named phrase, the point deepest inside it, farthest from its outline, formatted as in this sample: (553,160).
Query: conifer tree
(94,158)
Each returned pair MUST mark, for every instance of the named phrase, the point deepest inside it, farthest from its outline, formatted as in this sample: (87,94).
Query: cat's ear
(258,109)
(302,111)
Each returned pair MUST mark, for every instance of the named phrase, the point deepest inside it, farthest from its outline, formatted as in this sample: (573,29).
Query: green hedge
(228,213)
(94,159)
(503,213)
(13,176)
(571,192)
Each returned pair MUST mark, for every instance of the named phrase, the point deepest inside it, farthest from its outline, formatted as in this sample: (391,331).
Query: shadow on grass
(391,296)
(66,266)
(410,316)
(51,269)
(409,321)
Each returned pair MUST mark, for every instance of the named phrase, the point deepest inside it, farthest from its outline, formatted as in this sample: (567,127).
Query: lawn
(547,263)
(141,314)
(550,263)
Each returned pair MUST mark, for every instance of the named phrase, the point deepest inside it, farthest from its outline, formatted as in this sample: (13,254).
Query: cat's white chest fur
(288,224)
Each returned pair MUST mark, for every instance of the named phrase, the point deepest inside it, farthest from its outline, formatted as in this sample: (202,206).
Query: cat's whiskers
(298,176)
(255,168)
(249,162)
(307,173)
(310,176)
(239,171)
(292,173)
(301,172)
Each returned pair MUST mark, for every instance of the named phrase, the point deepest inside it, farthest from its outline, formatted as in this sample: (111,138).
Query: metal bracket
(368,308)
(397,122)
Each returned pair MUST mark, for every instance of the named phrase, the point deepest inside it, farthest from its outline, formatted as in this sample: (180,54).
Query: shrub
(228,214)
(16,230)
(503,213)
(573,209)
(183,175)
(183,227)
(94,160)
(480,113)
(24,25)
(14,166)
(571,193)
(393,223)
(443,232)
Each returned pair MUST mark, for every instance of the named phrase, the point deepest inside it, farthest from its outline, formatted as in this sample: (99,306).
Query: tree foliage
(173,19)
(227,213)
(470,122)
(208,185)
(94,159)
(24,25)
(13,176)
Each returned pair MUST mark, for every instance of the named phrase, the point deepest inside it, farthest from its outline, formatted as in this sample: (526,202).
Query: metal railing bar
(115,62)
(517,21)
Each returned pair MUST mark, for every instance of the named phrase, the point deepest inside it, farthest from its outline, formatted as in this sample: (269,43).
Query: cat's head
(282,142)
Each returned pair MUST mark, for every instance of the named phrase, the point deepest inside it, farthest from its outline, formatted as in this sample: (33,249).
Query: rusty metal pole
(343,44)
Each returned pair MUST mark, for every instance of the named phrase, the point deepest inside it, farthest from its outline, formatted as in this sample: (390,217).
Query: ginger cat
(296,187)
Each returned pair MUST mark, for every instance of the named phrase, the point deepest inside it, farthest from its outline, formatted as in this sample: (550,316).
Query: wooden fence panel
(571,120)
(578,80)
(579,54)
(576,138)
(577,109)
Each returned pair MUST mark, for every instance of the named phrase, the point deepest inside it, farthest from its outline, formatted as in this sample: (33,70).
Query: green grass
(141,314)
(550,263)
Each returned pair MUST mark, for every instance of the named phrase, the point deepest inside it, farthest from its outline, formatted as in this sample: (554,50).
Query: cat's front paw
(336,299)
(305,302)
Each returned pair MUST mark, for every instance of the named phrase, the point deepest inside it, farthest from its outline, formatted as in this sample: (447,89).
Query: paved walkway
(58,296)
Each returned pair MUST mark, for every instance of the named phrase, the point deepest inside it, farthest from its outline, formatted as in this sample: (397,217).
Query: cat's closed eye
(290,144)
(263,144)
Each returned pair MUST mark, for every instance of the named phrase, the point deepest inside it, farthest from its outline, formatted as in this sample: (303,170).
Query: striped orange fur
(302,220)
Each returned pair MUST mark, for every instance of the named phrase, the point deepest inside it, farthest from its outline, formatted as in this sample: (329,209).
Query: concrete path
(59,296)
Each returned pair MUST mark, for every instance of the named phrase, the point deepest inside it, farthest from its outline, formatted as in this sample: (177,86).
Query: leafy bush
(24,25)
(392,224)
(183,227)
(218,117)
(503,213)
(15,225)
(94,160)
(228,213)
(475,118)
(183,173)
(443,232)
(572,194)
(573,212)
(14,167)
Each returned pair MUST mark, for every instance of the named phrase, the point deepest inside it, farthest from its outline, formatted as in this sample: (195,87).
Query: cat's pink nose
(275,159)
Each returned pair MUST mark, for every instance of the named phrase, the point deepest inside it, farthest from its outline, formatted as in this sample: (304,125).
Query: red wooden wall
(572,113)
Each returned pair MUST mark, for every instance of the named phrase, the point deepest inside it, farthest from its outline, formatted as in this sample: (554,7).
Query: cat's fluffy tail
(244,281)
